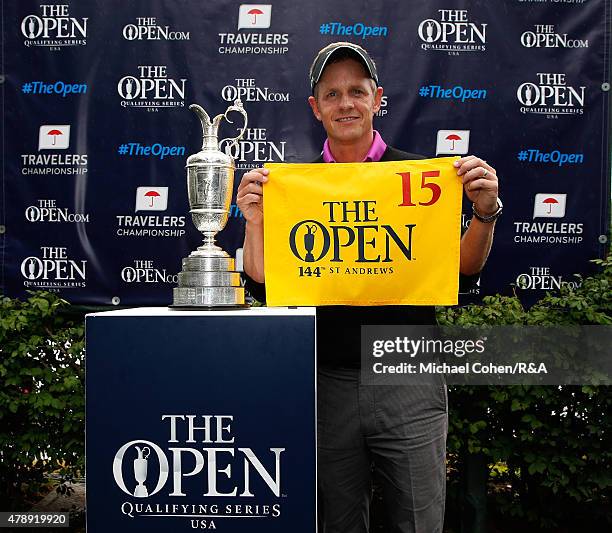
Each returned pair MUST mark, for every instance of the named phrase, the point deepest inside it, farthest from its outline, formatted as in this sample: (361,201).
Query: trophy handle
(232,141)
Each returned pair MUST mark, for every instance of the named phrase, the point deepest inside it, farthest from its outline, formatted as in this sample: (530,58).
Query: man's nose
(346,102)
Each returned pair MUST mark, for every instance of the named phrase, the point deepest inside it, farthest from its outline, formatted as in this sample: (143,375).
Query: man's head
(339,51)
(344,82)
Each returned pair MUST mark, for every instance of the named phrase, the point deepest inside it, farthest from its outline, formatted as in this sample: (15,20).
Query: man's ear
(315,108)
(377,99)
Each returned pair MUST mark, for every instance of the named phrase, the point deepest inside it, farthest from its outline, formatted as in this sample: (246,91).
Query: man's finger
(462,160)
(259,175)
(482,185)
(472,163)
(477,173)
(254,176)
(254,187)
(250,198)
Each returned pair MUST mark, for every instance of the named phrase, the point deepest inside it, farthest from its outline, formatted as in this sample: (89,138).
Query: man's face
(346,101)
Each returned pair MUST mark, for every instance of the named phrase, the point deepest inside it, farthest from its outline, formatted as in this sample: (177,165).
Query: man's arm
(249,199)
(253,251)
(475,246)
(480,184)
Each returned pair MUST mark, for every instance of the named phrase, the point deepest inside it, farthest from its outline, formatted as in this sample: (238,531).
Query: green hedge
(42,400)
(550,443)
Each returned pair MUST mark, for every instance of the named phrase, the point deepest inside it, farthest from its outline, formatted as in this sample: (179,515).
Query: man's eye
(332,93)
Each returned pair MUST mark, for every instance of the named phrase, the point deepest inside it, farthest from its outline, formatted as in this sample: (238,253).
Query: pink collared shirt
(376,151)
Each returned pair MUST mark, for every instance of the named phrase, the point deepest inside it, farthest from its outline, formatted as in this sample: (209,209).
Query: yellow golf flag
(362,233)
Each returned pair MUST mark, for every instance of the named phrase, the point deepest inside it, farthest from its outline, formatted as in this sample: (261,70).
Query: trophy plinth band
(208,278)
(208,297)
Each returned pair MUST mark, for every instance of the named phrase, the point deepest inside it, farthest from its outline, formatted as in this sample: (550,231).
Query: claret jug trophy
(208,277)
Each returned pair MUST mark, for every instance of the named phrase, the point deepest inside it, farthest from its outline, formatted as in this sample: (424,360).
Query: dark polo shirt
(339,326)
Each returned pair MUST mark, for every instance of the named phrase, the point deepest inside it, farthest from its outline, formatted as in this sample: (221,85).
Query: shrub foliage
(42,400)
(553,442)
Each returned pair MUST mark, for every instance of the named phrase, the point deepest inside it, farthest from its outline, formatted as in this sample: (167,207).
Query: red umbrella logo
(550,202)
(151,194)
(453,137)
(54,134)
(255,12)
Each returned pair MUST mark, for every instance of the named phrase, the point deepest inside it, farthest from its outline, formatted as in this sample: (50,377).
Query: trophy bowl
(210,182)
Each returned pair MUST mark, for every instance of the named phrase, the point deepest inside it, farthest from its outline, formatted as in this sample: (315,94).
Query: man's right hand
(249,197)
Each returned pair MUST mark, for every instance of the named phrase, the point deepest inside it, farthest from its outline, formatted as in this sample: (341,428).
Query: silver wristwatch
(489,218)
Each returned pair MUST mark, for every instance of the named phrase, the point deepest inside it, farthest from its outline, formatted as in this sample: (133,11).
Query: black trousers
(401,431)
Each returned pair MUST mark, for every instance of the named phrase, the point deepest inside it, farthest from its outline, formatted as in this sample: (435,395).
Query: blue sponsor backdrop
(97,129)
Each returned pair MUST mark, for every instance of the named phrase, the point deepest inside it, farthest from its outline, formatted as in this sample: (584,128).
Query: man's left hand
(479,182)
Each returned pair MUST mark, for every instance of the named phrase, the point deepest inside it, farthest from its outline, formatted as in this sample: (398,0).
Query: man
(401,431)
